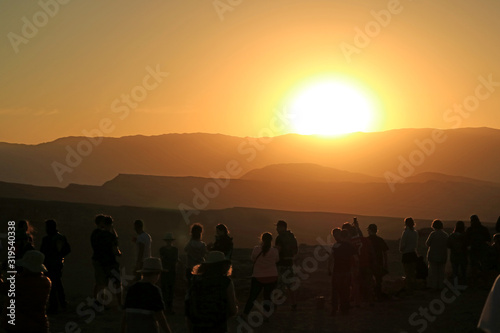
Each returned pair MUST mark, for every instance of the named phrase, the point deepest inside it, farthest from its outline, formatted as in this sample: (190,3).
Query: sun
(330,108)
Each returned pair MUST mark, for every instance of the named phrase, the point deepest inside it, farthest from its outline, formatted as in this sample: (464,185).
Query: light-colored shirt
(196,251)
(265,266)
(438,246)
(409,241)
(144,238)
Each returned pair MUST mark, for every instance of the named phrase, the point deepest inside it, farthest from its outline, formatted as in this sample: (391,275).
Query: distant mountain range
(467,152)
(303,187)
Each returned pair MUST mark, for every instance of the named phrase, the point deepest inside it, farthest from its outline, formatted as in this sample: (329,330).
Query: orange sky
(230,76)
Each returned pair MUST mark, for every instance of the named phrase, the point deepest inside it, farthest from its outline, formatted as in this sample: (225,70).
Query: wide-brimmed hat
(33,261)
(151,265)
(215,257)
(169,236)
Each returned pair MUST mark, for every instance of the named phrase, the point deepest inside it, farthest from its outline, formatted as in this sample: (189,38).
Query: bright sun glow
(331,108)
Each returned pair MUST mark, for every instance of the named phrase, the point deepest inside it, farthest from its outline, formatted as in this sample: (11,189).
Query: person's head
(221,230)
(151,269)
(138,226)
(474,221)
(345,236)
(196,231)
(169,238)
(372,229)
(50,227)
(336,234)
(267,240)
(409,223)
(99,221)
(459,227)
(215,265)
(353,232)
(281,226)
(437,224)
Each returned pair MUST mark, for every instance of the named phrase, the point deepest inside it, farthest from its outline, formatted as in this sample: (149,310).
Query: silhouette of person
(55,247)
(112,269)
(143,244)
(286,243)
(195,249)
(104,243)
(24,238)
(356,241)
(211,299)
(408,248)
(264,273)
(344,260)
(169,255)
(380,267)
(32,293)
(478,238)
(223,242)
(457,243)
(437,255)
(144,307)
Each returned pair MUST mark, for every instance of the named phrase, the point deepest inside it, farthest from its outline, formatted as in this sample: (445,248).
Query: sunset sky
(232,70)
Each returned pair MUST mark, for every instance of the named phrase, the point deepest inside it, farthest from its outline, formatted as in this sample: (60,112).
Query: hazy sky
(65,69)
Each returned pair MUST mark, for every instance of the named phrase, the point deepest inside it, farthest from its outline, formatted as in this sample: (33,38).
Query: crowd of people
(356,265)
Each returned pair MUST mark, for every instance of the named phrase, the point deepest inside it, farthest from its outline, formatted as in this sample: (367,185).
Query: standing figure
(195,249)
(223,242)
(55,247)
(211,299)
(143,244)
(344,259)
(286,243)
(478,238)
(380,267)
(264,273)
(143,304)
(457,243)
(408,248)
(437,255)
(169,255)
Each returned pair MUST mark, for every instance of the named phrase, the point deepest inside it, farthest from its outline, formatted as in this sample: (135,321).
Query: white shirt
(409,241)
(144,238)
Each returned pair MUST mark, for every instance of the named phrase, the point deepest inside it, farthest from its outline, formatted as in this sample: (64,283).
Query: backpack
(206,301)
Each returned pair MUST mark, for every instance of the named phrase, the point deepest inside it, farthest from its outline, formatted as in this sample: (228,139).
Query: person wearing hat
(144,304)
(169,256)
(32,293)
(380,266)
(211,299)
